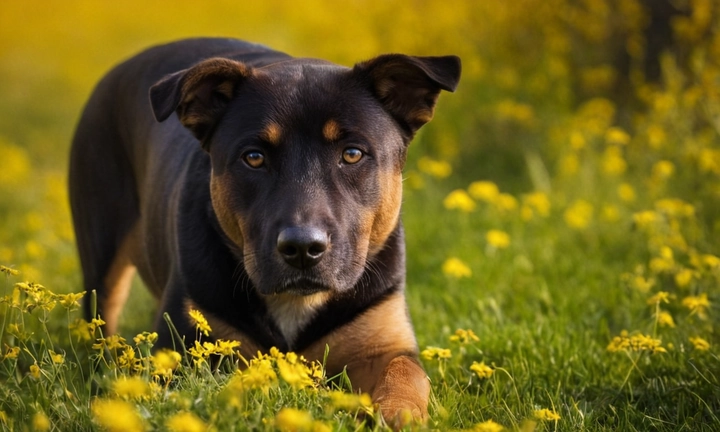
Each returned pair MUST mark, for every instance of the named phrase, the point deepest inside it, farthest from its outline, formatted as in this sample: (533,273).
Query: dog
(270,202)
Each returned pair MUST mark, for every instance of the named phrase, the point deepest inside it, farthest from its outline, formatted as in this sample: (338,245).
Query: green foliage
(563,205)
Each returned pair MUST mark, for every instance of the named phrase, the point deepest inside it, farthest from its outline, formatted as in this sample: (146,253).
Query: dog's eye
(352,155)
(254,159)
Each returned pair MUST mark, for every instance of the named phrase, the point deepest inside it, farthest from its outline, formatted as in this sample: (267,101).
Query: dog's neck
(292,312)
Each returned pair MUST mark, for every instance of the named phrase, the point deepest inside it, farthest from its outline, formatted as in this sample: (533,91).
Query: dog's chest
(291,313)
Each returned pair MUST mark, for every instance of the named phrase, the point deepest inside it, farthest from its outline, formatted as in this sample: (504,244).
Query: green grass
(610,206)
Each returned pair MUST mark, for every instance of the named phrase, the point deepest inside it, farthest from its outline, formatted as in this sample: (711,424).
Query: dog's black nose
(302,247)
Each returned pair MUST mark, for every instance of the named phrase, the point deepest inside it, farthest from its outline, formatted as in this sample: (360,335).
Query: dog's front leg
(402,392)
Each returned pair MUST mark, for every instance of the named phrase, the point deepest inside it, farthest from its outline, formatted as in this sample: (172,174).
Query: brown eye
(352,155)
(254,159)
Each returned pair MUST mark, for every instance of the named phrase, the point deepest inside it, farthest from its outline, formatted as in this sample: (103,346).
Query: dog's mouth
(302,286)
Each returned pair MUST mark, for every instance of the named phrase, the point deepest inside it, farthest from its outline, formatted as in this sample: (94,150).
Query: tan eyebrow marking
(331,130)
(271,133)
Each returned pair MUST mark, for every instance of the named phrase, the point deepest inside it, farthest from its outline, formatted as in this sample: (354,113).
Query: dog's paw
(402,393)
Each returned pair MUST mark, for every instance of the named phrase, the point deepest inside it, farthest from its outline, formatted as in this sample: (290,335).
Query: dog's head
(306,157)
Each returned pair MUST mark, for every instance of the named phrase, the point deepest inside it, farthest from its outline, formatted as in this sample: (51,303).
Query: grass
(571,226)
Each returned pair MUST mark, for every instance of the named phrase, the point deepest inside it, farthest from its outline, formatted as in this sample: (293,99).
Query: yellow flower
(577,140)
(660,297)
(638,342)
(700,344)
(12,353)
(165,362)
(56,358)
(225,347)
(684,277)
(482,370)
(506,202)
(664,319)
(146,338)
(645,219)
(201,323)
(613,162)
(662,170)
(34,371)
(70,301)
(626,192)
(610,213)
(459,200)
(292,420)
(185,422)
(675,208)
(498,239)
(8,271)
(350,401)
(435,353)
(488,426)
(616,135)
(116,416)
(40,422)
(464,337)
(539,202)
(294,373)
(455,268)
(697,305)
(547,415)
(435,168)
(259,375)
(484,191)
(579,215)
(131,388)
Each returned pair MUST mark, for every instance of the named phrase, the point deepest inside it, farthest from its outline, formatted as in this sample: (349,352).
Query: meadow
(562,216)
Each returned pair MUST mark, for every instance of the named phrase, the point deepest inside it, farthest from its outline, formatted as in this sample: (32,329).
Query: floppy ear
(408,86)
(199,94)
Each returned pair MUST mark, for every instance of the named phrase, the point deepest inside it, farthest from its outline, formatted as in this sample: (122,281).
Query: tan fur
(368,343)
(331,130)
(402,391)
(272,133)
(118,281)
(222,330)
(221,195)
(292,312)
(386,218)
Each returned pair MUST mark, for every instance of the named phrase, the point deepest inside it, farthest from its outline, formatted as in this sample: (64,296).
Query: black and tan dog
(270,203)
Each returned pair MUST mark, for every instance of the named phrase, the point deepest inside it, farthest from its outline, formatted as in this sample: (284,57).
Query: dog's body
(282,225)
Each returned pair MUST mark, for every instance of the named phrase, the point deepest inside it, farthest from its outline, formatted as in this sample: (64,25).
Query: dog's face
(306,158)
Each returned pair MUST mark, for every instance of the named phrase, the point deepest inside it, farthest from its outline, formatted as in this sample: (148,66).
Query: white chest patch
(292,313)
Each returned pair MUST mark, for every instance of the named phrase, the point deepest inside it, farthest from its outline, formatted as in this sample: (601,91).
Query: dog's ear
(199,94)
(408,86)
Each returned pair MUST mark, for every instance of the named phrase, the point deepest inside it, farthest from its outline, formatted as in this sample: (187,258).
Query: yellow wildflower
(616,135)
(498,239)
(613,162)
(626,193)
(116,416)
(684,277)
(675,208)
(664,319)
(435,168)
(201,323)
(700,344)
(70,301)
(660,297)
(8,271)
(662,170)
(547,415)
(610,213)
(488,426)
(455,268)
(484,191)
(506,202)
(259,375)
(292,420)
(34,371)
(185,422)
(645,219)
(341,400)
(41,422)
(131,387)
(294,373)
(56,358)
(435,353)
(164,362)
(12,353)
(539,202)
(577,140)
(482,370)
(464,337)
(225,347)
(579,215)
(697,304)
(638,342)
(459,200)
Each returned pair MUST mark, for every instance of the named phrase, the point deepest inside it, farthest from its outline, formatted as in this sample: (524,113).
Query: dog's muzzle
(302,247)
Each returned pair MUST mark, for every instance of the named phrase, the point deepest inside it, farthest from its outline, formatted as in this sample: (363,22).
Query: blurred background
(583,111)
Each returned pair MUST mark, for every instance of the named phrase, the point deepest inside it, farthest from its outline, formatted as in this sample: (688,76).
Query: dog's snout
(302,247)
